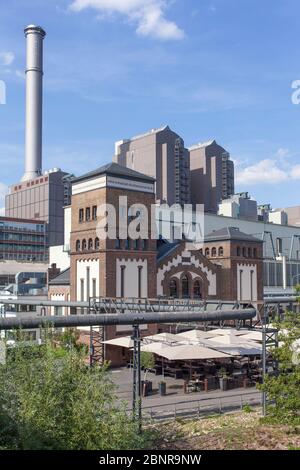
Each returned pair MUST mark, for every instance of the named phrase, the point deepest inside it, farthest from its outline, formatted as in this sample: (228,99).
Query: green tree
(50,402)
(284,388)
(147,362)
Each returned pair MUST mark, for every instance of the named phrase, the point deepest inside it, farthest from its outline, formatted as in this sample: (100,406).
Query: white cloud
(148,15)
(269,170)
(7,58)
(265,171)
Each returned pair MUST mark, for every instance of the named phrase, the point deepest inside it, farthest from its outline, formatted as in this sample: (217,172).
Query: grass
(239,431)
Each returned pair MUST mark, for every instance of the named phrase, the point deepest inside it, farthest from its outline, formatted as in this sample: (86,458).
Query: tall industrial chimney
(34,101)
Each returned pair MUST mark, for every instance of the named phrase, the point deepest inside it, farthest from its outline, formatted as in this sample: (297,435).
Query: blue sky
(218,69)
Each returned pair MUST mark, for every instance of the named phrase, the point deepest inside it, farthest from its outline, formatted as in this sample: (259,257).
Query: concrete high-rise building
(162,155)
(42,198)
(212,175)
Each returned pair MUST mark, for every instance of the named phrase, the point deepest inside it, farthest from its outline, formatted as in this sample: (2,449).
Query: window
(90,244)
(81,215)
(244,252)
(77,245)
(94,288)
(213,252)
(97,244)
(251,284)
(201,251)
(117,243)
(173,289)
(144,244)
(123,281)
(87,214)
(221,251)
(87,283)
(140,272)
(185,287)
(238,251)
(254,253)
(82,294)
(135,244)
(94,212)
(249,253)
(84,245)
(241,284)
(127,244)
(206,251)
(279,246)
(197,290)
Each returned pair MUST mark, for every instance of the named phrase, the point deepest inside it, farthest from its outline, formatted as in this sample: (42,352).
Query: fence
(200,408)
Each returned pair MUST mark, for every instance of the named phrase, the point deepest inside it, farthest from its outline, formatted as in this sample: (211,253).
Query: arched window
(206,251)
(238,251)
(244,252)
(197,290)
(97,244)
(185,287)
(221,251)
(173,288)
(90,244)
(77,245)
(84,245)
(249,253)
(214,252)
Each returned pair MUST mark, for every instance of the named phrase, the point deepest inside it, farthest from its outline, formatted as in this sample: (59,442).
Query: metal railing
(200,407)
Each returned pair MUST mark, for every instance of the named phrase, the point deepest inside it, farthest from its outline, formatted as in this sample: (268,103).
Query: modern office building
(23,240)
(41,199)
(293,215)
(23,251)
(212,175)
(239,206)
(162,155)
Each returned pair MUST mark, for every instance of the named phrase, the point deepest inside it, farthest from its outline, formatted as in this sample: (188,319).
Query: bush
(50,402)
(283,389)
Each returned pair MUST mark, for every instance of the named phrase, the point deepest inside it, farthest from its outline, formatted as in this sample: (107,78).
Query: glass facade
(273,273)
(23,240)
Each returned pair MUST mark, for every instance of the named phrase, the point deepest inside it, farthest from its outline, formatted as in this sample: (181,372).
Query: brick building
(228,265)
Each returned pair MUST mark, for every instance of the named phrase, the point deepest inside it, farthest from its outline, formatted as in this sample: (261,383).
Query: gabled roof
(230,233)
(114,169)
(164,248)
(202,144)
(63,279)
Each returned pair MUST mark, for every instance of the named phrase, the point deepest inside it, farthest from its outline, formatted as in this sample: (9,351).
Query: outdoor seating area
(223,359)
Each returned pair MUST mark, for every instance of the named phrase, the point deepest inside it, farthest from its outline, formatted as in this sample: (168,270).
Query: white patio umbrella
(232,340)
(186,352)
(163,338)
(253,336)
(226,331)
(195,335)
(153,347)
(122,342)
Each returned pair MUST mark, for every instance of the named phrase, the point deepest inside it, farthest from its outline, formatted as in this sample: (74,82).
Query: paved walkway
(176,402)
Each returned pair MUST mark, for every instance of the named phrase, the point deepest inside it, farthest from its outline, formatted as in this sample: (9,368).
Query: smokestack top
(31,28)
